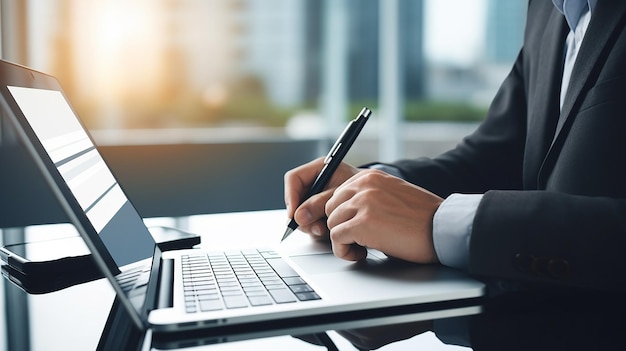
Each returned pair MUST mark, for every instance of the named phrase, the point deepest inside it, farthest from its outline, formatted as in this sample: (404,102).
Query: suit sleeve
(533,236)
(550,237)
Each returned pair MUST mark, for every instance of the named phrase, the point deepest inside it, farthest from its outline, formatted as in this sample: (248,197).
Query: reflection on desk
(529,321)
(526,321)
(86,317)
(68,319)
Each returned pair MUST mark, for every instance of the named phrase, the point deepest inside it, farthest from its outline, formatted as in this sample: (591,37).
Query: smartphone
(63,256)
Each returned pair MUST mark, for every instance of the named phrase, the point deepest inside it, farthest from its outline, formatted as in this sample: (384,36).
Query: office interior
(213,101)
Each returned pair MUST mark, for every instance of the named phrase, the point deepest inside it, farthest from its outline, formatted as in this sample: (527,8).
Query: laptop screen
(115,220)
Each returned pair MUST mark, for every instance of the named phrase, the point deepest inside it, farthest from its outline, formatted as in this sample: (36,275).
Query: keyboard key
(213,296)
(268,282)
(256,293)
(205,284)
(269,253)
(307,296)
(294,281)
(264,270)
(238,301)
(251,279)
(260,300)
(271,275)
(276,287)
(230,288)
(282,296)
(210,305)
(210,289)
(300,288)
(281,267)
(229,283)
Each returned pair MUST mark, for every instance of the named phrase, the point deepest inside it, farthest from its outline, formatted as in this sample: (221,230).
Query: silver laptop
(198,288)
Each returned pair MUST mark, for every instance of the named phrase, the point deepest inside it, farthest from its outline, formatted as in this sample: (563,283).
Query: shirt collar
(574,9)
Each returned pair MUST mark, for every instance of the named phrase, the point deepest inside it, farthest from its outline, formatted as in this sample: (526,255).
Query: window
(264,64)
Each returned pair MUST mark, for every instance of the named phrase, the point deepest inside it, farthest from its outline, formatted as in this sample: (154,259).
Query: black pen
(333,159)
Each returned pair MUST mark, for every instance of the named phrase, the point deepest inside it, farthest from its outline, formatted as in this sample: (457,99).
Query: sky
(454,30)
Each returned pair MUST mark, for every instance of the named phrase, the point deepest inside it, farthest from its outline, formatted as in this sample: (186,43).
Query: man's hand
(310,214)
(364,209)
(377,210)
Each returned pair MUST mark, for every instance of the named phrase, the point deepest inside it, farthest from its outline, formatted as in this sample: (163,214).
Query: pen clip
(338,143)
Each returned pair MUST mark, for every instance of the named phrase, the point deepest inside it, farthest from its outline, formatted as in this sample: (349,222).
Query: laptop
(180,290)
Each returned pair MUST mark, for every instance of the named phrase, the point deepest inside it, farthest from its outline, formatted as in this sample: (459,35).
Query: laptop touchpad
(328,263)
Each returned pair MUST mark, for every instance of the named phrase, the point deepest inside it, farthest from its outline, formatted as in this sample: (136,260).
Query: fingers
(310,214)
(317,229)
(360,182)
(344,243)
(312,209)
(344,219)
(349,252)
(297,182)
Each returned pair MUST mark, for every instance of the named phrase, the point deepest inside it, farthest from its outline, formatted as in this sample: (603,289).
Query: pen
(333,159)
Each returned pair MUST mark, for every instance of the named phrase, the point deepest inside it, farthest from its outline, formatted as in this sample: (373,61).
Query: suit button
(558,268)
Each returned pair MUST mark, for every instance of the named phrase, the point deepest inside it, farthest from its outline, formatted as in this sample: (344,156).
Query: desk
(85,317)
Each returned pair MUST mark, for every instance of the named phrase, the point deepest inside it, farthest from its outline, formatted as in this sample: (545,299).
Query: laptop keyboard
(134,278)
(215,281)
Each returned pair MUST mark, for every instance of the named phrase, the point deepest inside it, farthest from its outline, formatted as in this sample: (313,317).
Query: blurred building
(159,62)
(284,47)
(505,30)
(478,82)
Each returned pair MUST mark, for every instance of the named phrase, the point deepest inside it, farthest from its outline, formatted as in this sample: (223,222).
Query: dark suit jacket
(554,208)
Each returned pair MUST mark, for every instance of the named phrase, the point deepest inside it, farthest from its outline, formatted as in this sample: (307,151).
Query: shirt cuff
(452,229)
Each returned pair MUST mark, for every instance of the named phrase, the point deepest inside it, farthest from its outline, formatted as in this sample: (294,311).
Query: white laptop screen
(89,179)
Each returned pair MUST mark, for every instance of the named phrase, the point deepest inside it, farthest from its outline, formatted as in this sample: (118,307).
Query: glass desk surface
(86,316)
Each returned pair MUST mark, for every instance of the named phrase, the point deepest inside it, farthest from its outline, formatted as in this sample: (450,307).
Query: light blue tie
(573,10)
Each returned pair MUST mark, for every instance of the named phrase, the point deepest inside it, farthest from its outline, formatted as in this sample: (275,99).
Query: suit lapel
(604,21)
(596,45)
(544,109)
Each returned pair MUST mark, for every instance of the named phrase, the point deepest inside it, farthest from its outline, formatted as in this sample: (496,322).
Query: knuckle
(372,177)
(289,174)
(366,197)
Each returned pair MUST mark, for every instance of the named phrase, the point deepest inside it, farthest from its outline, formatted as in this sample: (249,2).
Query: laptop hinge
(166,285)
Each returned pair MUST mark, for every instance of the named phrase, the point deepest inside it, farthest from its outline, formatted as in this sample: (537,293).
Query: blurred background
(200,106)
(299,68)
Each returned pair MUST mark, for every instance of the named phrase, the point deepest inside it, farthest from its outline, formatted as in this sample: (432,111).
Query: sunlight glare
(124,44)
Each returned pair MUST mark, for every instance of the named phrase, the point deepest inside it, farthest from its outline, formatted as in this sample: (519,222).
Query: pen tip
(287,233)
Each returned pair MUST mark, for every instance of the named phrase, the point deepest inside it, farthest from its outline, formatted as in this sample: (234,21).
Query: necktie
(577,14)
